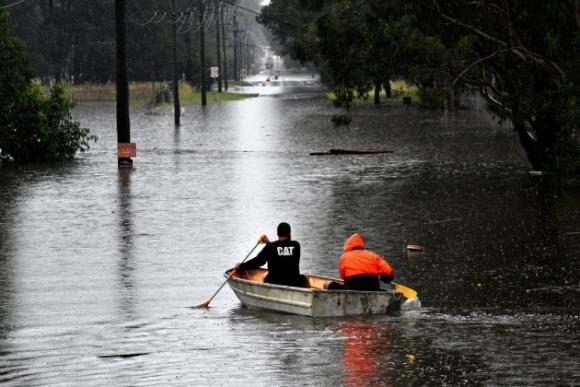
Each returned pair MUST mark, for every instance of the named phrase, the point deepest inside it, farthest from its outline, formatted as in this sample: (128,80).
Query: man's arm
(341,267)
(385,270)
(257,261)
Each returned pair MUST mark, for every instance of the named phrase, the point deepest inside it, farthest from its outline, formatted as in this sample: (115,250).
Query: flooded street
(98,267)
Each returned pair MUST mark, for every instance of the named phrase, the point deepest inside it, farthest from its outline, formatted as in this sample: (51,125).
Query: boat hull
(313,301)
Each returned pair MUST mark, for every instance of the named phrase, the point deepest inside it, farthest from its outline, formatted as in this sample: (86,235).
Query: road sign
(126,150)
(215,72)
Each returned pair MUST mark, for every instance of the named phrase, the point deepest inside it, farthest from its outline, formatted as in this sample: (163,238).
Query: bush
(431,98)
(33,127)
(342,119)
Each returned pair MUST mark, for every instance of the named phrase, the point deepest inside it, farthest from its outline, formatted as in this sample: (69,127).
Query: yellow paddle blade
(203,305)
(407,292)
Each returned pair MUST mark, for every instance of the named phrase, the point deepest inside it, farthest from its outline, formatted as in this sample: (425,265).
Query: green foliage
(342,119)
(74,40)
(521,56)
(528,74)
(33,127)
(431,98)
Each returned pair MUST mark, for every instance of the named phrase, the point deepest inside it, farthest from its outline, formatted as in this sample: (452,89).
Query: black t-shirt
(283,258)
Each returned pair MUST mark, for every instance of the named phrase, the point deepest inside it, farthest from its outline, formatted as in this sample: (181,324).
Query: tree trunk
(528,143)
(377,93)
(451,99)
(188,57)
(388,89)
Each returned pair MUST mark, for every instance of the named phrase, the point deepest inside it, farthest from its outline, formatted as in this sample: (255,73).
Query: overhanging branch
(479,61)
(517,48)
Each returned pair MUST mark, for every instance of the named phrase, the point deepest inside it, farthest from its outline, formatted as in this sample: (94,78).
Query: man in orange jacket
(361,268)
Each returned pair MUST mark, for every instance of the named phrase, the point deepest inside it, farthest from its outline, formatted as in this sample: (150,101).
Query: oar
(206,303)
(407,292)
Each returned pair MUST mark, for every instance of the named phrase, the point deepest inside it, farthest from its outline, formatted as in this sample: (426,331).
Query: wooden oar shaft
(206,303)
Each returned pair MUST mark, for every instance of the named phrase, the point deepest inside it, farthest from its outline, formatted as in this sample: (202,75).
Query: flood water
(98,267)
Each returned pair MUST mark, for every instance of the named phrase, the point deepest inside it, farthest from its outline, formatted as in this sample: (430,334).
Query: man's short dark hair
(283,230)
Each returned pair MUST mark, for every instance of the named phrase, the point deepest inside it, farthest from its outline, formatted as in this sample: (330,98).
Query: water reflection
(95,264)
(367,350)
(125,235)
(8,193)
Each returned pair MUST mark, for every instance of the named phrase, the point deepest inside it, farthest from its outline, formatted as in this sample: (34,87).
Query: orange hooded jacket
(356,260)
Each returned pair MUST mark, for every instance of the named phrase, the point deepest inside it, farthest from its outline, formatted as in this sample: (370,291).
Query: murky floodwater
(98,266)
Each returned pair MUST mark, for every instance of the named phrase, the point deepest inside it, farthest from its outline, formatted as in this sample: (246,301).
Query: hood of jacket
(354,242)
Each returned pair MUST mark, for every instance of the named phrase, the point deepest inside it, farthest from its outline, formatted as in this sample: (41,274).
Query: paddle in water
(206,303)
(407,292)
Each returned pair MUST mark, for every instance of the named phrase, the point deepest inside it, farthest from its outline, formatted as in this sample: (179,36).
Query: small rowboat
(314,301)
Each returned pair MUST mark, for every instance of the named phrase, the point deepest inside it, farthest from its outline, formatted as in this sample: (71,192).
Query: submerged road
(98,266)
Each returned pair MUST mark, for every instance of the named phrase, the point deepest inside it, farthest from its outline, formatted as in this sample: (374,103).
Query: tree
(33,127)
(360,46)
(523,57)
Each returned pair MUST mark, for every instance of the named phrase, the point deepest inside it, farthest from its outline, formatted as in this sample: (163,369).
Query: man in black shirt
(283,258)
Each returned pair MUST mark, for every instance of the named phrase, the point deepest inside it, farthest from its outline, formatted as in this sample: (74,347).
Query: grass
(188,95)
(139,92)
(232,82)
(142,92)
(399,88)
(402,89)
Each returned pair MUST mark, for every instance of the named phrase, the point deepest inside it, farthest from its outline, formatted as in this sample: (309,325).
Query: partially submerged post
(176,101)
(218,44)
(125,149)
(377,93)
(224,48)
(202,53)
(235,47)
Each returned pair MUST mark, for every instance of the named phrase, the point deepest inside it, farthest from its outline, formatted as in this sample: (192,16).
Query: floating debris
(415,247)
(124,355)
(352,151)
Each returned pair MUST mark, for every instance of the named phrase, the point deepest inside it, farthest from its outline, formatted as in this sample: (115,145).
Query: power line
(240,7)
(12,5)
(260,14)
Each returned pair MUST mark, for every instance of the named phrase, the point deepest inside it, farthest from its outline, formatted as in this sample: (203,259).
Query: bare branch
(517,48)
(479,61)
(578,14)
(468,26)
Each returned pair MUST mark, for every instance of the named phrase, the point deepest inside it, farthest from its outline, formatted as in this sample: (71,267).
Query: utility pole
(125,150)
(249,56)
(202,52)
(242,45)
(218,48)
(235,47)
(176,102)
(245,49)
(224,48)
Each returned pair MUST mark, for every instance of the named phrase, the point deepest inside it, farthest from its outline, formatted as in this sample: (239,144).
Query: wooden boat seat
(258,275)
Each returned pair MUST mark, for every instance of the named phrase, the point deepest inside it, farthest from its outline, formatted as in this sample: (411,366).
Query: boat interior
(258,275)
